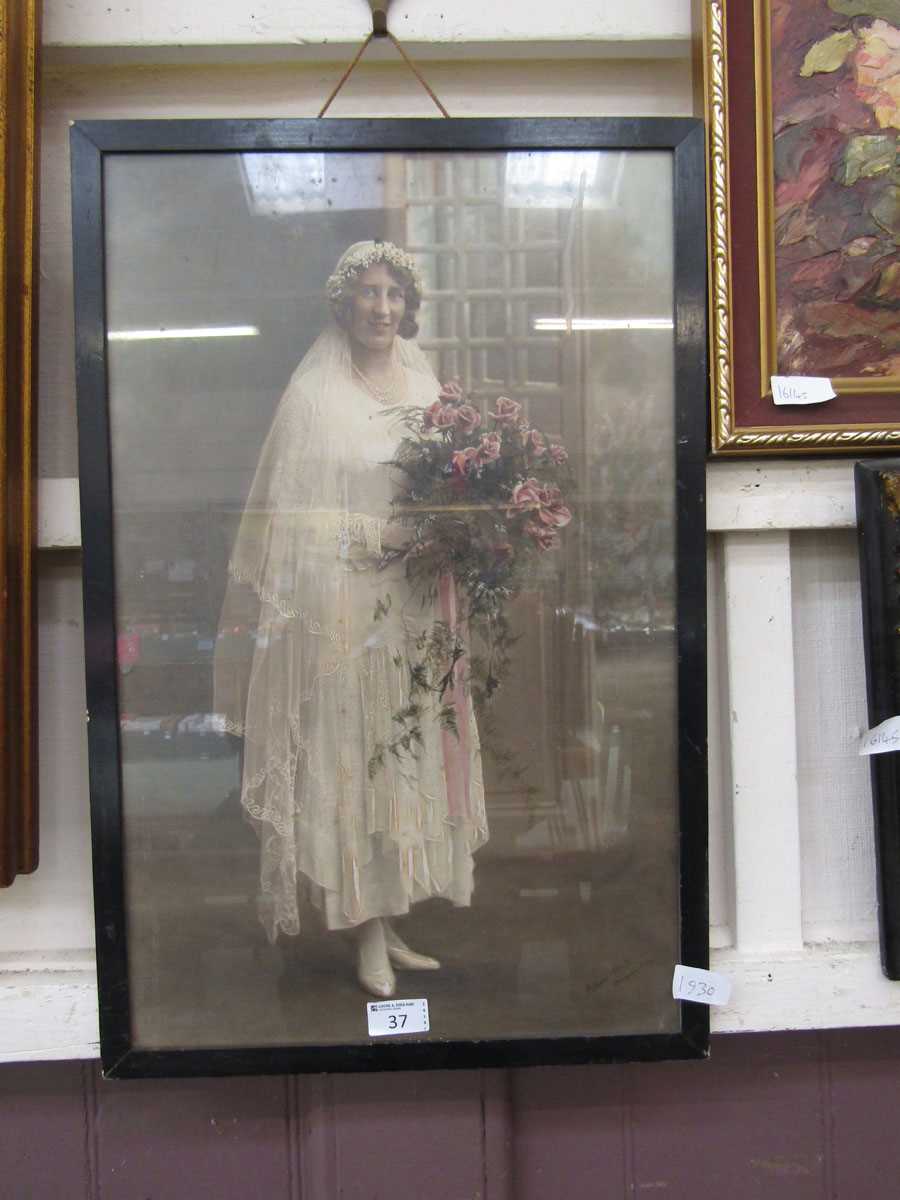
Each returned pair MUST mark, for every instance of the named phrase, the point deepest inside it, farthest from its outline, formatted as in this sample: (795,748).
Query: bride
(334,632)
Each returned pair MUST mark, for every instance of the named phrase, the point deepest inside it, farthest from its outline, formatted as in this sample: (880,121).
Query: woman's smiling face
(376,307)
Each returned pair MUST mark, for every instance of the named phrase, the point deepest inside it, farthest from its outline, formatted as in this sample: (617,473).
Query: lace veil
(302,532)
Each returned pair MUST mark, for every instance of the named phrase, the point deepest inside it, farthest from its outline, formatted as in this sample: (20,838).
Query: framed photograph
(392,467)
(878,518)
(805,222)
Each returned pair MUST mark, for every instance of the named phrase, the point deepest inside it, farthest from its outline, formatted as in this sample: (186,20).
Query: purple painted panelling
(772,1117)
(42,1142)
(864,1079)
(312,1121)
(569,1133)
(747,1125)
(409,1134)
(199,1139)
(499,1148)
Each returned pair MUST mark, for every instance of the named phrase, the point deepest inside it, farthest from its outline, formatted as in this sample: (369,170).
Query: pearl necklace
(384,395)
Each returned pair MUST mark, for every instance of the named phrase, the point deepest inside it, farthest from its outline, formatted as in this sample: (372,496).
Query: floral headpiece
(362,255)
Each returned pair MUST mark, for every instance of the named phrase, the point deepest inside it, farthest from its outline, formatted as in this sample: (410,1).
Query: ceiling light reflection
(577,324)
(159,335)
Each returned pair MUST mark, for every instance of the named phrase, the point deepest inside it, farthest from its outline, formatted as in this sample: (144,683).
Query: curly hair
(358,258)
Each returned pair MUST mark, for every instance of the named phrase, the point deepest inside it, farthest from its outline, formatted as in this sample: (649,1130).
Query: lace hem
(280,771)
(284,827)
(436,867)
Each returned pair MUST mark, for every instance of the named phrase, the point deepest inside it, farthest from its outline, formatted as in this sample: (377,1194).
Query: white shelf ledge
(49,1006)
(780,495)
(740,497)
(827,986)
(49,1002)
(59,515)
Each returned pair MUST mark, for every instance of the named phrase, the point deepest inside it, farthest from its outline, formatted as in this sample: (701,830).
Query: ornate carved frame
(744,419)
(19,42)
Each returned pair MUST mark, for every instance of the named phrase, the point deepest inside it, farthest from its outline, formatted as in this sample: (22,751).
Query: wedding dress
(332,637)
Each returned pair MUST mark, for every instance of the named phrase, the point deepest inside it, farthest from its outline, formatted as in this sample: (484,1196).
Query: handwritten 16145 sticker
(882,739)
(801,389)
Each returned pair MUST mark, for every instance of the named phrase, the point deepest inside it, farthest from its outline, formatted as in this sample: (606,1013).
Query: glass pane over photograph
(394,488)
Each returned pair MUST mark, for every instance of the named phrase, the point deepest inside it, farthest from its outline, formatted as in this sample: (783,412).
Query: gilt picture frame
(19,125)
(803,223)
(394,571)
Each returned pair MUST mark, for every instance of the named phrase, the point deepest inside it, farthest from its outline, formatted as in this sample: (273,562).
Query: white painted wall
(791,851)
(303,25)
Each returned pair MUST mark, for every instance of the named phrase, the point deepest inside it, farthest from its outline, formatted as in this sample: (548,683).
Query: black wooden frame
(91,142)
(879,566)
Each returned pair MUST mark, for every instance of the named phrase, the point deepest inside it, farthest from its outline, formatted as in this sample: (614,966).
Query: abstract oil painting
(835,96)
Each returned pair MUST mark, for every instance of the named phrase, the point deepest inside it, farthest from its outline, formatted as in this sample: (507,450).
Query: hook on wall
(379,17)
(380,30)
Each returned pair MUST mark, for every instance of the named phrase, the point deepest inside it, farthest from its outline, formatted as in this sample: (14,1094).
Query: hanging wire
(380,30)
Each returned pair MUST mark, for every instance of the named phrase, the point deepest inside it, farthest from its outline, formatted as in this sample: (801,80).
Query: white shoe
(373,970)
(381,983)
(401,956)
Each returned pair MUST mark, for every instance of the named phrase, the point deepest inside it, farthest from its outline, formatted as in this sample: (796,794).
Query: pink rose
(552,511)
(439,416)
(526,495)
(451,392)
(508,411)
(464,460)
(489,447)
(543,538)
(534,442)
(559,454)
(467,418)
(876,71)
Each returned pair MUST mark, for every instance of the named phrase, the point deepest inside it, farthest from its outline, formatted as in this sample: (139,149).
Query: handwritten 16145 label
(882,738)
(801,389)
(391,1017)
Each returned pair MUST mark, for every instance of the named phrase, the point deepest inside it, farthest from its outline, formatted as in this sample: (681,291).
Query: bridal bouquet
(483,501)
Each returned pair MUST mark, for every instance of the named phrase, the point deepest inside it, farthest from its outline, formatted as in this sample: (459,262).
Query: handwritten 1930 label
(703,987)
(882,738)
(390,1017)
(801,389)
